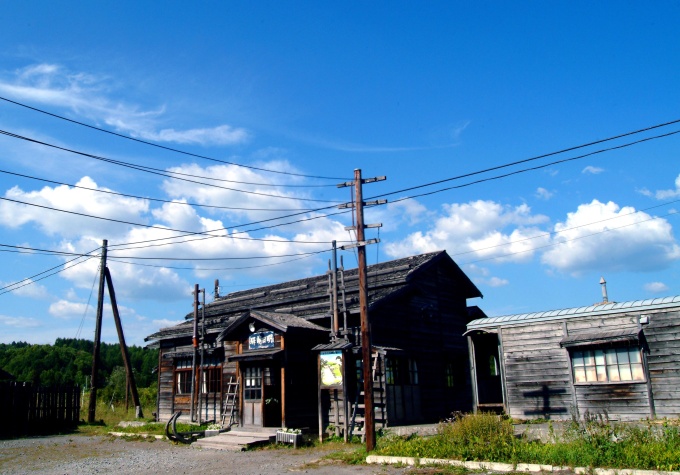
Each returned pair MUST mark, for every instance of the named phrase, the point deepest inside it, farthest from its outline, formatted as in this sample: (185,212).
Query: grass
(591,443)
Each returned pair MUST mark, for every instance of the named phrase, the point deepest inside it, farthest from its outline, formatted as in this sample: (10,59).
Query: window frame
(600,362)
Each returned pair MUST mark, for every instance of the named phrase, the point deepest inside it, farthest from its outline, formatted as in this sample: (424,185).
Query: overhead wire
(154,172)
(161,228)
(524,170)
(171,149)
(545,155)
(160,200)
(45,276)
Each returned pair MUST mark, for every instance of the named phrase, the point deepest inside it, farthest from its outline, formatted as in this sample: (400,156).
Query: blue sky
(417,91)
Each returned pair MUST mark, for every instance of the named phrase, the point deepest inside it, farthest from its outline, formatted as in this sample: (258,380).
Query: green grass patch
(590,443)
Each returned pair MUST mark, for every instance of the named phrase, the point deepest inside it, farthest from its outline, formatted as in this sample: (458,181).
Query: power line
(151,170)
(50,269)
(98,190)
(239,258)
(214,268)
(165,147)
(524,170)
(478,172)
(151,226)
(46,276)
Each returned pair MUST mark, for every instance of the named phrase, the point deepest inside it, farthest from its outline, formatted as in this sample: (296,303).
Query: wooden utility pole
(194,341)
(97,338)
(130,377)
(369,415)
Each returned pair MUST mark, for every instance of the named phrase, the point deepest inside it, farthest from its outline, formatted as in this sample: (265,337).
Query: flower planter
(288,438)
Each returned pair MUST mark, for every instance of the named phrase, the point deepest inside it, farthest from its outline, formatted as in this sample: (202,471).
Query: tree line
(69,361)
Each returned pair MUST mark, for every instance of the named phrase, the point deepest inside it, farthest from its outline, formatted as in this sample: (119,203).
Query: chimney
(603,283)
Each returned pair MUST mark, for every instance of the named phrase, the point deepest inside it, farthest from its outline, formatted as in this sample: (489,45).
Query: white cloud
(76,200)
(29,289)
(656,287)
(18,322)
(665,194)
(88,95)
(543,194)
(221,135)
(495,282)
(65,309)
(480,229)
(165,323)
(632,242)
(591,170)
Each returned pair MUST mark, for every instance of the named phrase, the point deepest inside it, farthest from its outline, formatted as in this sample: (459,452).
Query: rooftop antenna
(603,283)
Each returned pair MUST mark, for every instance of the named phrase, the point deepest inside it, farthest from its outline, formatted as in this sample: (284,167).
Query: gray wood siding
(536,372)
(620,402)
(663,339)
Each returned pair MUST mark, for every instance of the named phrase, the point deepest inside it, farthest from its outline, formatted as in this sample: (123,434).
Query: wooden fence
(28,410)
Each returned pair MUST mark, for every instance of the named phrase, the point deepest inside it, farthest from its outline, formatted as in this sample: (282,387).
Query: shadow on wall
(542,397)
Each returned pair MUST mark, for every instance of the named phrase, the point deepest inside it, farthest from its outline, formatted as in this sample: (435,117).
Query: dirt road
(77,454)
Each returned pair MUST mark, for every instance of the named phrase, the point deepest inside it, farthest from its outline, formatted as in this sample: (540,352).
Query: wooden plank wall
(165,390)
(663,338)
(428,323)
(620,401)
(536,371)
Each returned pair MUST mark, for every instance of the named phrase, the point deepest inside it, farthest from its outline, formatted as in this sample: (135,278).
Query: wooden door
(252,396)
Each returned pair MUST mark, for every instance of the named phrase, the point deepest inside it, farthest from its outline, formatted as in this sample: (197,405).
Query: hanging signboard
(331,368)
(261,340)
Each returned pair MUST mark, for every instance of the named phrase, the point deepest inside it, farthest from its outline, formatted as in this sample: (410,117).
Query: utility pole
(130,376)
(194,342)
(369,415)
(97,337)
(336,323)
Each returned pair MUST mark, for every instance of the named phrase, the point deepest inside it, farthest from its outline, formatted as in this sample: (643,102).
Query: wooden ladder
(231,402)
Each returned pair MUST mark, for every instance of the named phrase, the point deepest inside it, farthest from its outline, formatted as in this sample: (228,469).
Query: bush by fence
(29,410)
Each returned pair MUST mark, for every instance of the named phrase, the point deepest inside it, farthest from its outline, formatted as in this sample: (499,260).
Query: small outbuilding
(621,360)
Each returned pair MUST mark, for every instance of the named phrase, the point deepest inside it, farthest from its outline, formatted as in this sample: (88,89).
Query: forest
(69,361)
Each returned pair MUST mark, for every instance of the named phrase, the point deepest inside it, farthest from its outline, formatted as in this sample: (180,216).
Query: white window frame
(610,365)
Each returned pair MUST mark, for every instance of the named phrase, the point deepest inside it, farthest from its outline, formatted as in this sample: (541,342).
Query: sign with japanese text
(261,340)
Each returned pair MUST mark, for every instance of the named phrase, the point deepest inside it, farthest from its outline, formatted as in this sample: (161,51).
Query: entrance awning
(627,335)
(258,355)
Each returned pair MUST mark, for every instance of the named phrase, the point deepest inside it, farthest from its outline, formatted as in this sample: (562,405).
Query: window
(609,365)
(448,375)
(212,380)
(253,388)
(183,382)
(401,371)
(212,375)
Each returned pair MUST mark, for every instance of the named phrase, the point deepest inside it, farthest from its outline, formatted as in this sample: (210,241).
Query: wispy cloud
(543,194)
(591,170)
(88,95)
(656,287)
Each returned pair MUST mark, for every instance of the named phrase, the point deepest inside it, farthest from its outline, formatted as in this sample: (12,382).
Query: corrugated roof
(601,309)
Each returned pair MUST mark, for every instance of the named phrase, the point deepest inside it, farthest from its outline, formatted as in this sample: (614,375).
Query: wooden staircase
(357,422)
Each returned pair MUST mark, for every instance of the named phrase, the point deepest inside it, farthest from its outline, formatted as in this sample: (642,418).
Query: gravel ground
(77,454)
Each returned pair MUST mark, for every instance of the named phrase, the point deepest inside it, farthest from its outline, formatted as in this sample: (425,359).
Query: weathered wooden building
(265,348)
(619,359)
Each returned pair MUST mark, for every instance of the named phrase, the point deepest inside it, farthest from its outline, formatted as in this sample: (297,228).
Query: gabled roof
(309,298)
(282,322)
(566,313)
